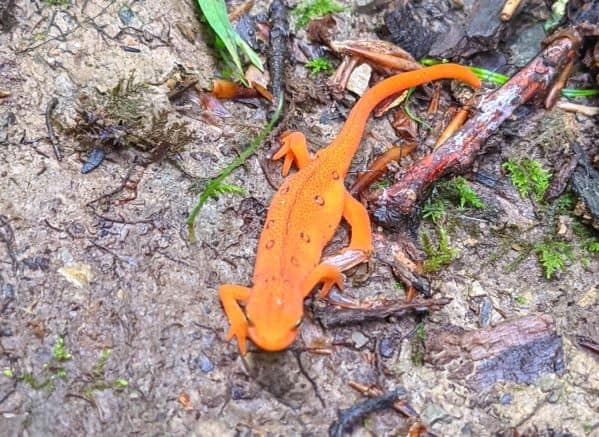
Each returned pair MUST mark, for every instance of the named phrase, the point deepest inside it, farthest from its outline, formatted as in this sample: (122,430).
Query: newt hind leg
(230,295)
(360,245)
(361,232)
(293,149)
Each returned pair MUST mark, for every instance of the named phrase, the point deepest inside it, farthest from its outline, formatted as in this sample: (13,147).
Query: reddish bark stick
(458,152)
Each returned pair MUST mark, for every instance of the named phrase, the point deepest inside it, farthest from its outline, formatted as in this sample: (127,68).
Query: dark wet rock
(405,28)
(7,119)
(126,15)
(7,295)
(94,159)
(505,399)
(526,44)
(387,347)
(585,182)
(203,363)
(239,391)
(37,262)
(518,350)
(462,32)
(485,312)
(7,18)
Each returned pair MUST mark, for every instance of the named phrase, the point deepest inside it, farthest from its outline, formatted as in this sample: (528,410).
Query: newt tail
(302,218)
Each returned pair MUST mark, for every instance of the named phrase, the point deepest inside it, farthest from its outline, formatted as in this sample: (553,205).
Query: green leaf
(251,54)
(215,12)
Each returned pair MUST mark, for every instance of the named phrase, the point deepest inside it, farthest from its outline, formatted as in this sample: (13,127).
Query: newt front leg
(230,296)
(328,274)
(293,148)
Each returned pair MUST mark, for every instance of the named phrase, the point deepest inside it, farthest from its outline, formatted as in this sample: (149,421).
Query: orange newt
(302,218)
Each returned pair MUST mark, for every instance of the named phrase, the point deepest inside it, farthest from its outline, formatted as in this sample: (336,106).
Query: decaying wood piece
(519,350)
(458,153)
(585,182)
(331,316)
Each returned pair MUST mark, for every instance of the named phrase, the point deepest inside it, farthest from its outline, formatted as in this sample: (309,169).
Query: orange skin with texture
(302,218)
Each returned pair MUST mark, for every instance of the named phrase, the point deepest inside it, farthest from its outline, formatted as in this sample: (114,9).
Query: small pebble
(94,159)
(126,15)
(387,347)
(203,363)
(485,312)
(359,79)
(359,339)
(506,399)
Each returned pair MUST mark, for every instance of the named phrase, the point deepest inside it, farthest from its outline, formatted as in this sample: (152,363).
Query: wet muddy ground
(107,268)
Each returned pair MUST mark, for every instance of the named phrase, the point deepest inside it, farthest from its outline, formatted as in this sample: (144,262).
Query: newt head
(273,319)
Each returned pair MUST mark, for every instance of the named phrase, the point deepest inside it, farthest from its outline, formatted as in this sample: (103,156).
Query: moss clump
(319,65)
(528,176)
(438,255)
(306,11)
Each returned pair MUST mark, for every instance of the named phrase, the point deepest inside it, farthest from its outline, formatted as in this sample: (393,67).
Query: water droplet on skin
(285,189)
(270,244)
(335,175)
(319,200)
(269,224)
(294,261)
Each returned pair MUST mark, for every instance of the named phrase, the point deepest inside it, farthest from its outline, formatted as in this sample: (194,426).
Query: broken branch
(458,152)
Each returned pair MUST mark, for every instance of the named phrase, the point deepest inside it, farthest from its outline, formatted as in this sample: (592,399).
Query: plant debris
(519,349)
(123,117)
(460,150)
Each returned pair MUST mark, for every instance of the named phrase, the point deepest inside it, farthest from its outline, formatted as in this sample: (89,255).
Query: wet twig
(509,8)
(7,236)
(351,415)
(279,36)
(401,406)
(459,152)
(331,316)
(309,378)
(588,343)
(51,135)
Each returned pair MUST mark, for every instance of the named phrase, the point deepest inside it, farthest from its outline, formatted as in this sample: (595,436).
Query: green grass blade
(251,55)
(215,12)
(573,92)
(215,184)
